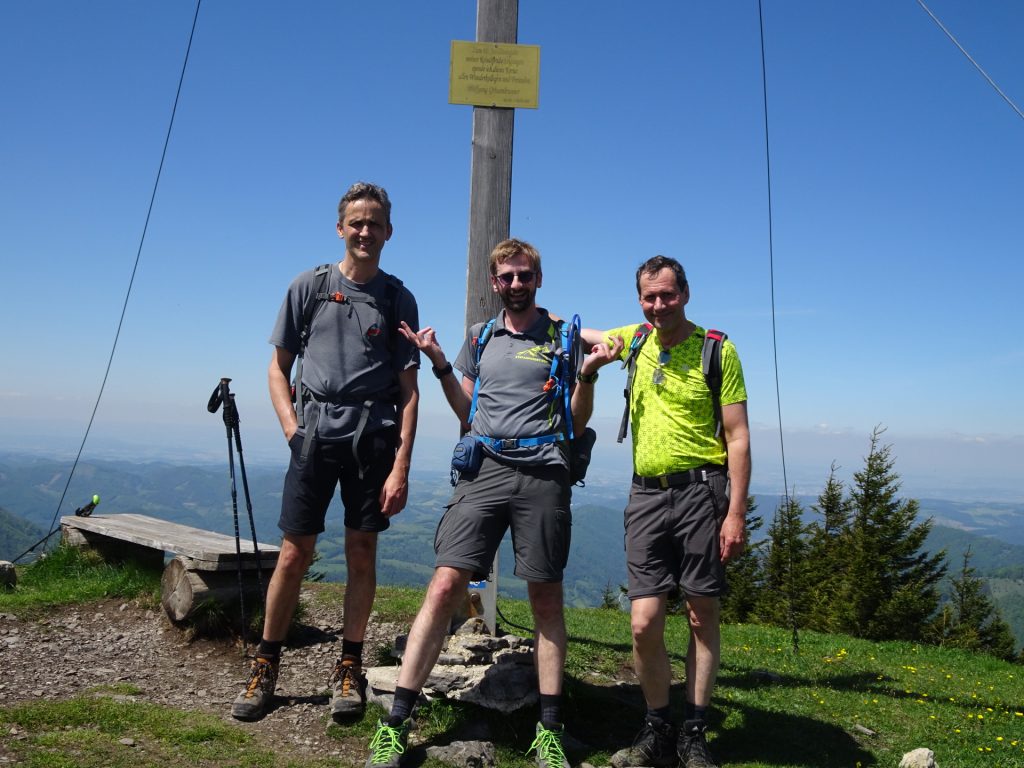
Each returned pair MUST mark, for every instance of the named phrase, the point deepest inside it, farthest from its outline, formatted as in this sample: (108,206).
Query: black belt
(679,479)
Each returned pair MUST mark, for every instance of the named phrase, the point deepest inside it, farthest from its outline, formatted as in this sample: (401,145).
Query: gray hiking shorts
(672,538)
(531,500)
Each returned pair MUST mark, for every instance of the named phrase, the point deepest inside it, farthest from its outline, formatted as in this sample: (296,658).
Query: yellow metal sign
(494,74)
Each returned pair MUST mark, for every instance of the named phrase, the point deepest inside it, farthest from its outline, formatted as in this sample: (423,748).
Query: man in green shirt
(682,523)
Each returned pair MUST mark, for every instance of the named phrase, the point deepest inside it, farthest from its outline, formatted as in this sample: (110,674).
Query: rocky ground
(77,648)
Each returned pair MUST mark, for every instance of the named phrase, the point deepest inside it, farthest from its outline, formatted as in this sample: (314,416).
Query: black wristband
(441,372)
(587,378)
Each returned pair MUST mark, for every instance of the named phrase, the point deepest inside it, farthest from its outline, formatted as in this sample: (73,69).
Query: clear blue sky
(897,201)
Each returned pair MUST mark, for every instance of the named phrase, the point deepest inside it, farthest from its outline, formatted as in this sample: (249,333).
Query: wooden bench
(205,566)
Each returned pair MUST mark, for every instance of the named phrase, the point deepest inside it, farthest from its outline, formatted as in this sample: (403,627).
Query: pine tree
(745,574)
(890,590)
(827,560)
(970,620)
(786,582)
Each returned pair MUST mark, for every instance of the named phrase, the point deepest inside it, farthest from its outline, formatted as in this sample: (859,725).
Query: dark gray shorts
(309,485)
(532,501)
(672,538)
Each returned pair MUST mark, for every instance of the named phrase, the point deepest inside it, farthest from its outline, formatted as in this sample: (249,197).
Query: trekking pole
(222,395)
(248,498)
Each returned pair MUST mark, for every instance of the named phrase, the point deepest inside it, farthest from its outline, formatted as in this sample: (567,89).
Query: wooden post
(490,203)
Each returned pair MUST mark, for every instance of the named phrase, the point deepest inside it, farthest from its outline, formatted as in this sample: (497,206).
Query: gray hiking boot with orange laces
(348,689)
(252,703)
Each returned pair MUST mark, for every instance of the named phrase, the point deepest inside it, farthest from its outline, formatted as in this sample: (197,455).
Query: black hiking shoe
(693,746)
(653,747)
(548,744)
(252,703)
(388,745)
(348,689)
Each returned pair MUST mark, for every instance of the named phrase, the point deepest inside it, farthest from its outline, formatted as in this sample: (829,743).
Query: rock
(8,576)
(919,758)
(127,742)
(471,754)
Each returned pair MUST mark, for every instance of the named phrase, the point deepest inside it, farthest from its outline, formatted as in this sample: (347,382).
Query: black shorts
(672,538)
(532,500)
(309,485)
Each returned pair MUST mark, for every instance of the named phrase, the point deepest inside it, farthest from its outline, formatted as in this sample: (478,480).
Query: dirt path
(76,648)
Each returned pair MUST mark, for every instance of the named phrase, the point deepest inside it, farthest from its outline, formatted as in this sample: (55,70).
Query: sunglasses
(525,277)
(658,377)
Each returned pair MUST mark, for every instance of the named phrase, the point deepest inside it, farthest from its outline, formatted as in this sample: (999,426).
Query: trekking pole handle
(220,395)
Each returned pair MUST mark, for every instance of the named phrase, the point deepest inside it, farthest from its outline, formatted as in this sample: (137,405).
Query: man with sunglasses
(350,420)
(682,522)
(522,483)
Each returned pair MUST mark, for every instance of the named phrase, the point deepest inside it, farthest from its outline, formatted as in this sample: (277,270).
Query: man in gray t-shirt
(522,484)
(353,421)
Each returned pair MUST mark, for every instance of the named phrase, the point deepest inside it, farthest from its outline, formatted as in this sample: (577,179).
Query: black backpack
(320,296)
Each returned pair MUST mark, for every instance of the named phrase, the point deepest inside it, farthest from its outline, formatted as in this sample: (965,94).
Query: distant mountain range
(200,496)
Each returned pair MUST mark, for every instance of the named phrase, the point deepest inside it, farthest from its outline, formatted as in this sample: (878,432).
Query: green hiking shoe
(693,746)
(388,745)
(254,700)
(653,747)
(549,748)
(348,689)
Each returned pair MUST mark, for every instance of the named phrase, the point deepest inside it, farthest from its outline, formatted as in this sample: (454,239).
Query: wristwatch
(587,378)
(441,372)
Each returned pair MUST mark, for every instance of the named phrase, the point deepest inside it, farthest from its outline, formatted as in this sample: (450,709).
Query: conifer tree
(786,581)
(827,559)
(889,591)
(970,620)
(745,574)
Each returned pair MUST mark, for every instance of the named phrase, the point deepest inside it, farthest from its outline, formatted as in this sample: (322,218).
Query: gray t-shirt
(348,357)
(511,401)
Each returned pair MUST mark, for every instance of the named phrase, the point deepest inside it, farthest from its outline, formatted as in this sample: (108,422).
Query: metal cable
(977,66)
(131,282)
(771,254)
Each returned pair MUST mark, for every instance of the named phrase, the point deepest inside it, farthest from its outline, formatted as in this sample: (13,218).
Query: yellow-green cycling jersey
(670,405)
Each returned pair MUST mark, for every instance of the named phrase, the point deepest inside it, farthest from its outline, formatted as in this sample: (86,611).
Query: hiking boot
(388,745)
(348,689)
(693,747)
(654,747)
(549,748)
(253,702)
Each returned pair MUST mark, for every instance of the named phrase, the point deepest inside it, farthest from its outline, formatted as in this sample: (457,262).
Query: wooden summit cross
(490,186)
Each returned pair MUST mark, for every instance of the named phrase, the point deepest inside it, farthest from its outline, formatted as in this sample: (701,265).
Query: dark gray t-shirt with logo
(349,356)
(511,401)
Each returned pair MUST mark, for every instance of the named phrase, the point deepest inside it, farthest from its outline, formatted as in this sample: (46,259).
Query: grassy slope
(773,707)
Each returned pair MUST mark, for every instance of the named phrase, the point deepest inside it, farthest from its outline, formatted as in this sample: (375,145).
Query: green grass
(87,732)
(773,707)
(76,575)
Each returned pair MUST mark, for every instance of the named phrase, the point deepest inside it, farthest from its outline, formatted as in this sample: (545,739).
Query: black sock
(353,649)
(270,649)
(551,710)
(693,712)
(401,709)
(661,714)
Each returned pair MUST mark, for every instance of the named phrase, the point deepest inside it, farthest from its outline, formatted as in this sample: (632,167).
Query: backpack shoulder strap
(321,279)
(392,290)
(642,332)
(711,366)
(479,342)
